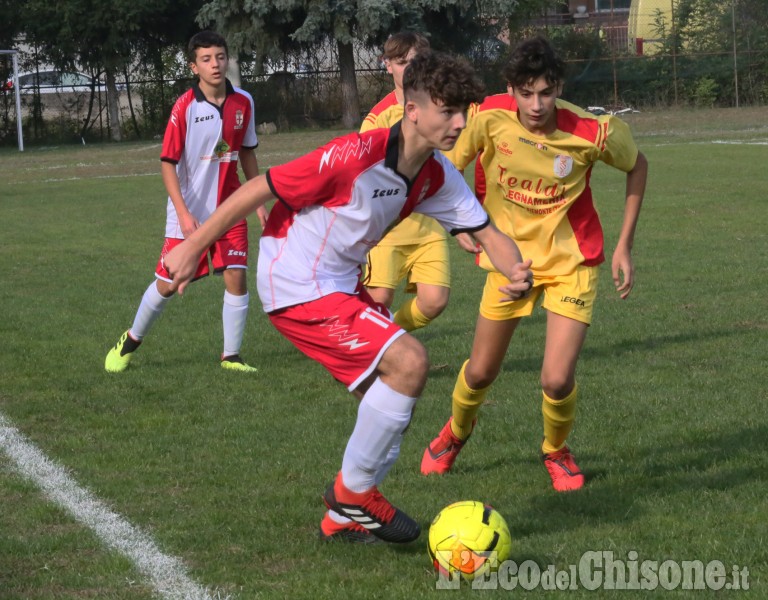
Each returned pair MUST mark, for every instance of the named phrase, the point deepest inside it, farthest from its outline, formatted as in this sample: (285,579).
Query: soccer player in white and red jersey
(333,205)
(211,128)
(537,156)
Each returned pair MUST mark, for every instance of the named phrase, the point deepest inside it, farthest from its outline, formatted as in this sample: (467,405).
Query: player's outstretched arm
(181,262)
(505,256)
(622,266)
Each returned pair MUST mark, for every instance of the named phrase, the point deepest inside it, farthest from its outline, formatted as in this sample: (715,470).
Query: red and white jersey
(337,202)
(203,141)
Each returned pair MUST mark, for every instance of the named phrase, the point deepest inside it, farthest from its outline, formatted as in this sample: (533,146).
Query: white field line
(745,143)
(166,574)
(74,178)
(708,142)
(30,169)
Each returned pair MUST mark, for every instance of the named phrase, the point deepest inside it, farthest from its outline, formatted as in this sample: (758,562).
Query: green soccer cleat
(119,357)
(235,363)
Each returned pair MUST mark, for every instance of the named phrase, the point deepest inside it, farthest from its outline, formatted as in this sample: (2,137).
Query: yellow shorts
(420,263)
(571,295)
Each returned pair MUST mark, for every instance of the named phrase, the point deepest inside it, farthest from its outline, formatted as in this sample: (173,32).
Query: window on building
(618,5)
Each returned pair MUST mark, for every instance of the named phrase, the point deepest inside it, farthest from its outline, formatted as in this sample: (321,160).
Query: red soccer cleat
(442,451)
(563,470)
(351,532)
(372,511)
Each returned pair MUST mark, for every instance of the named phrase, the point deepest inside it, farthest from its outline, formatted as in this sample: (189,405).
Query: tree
(105,36)
(10,25)
(270,27)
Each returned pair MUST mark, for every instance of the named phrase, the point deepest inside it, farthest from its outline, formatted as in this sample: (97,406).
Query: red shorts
(230,251)
(346,333)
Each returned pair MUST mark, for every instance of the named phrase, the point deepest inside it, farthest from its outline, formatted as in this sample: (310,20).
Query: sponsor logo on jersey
(224,157)
(377,193)
(206,118)
(239,119)
(504,148)
(237,253)
(352,147)
(572,300)
(563,165)
(222,148)
(537,145)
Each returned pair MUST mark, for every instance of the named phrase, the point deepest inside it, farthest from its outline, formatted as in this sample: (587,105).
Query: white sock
(151,307)
(389,460)
(233,316)
(381,419)
(392,455)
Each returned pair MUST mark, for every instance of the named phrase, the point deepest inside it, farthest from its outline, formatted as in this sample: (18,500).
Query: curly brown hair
(531,59)
(447,79)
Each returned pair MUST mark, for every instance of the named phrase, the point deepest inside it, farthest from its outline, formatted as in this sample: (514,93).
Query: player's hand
(468,243)
(623,271)
(181,264)
(520,282)
(188,224)
(262,213)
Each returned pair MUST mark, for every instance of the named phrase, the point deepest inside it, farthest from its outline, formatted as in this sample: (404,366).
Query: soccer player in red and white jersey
(211,128)
(333,205)
(537,156)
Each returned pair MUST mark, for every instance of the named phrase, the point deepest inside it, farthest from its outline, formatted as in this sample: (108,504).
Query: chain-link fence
(640,58)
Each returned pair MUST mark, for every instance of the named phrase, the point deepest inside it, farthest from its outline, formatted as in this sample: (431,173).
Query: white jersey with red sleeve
(204,141)
(337,202)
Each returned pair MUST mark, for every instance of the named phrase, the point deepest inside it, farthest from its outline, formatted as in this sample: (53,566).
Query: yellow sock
(558,420)
(466,404)
(409,317)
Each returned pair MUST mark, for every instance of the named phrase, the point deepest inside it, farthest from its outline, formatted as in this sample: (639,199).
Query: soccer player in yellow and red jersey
(537,156)
(417,247)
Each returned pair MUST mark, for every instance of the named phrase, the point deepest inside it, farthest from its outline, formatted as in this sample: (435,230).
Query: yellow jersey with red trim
(416,228)
(538,188)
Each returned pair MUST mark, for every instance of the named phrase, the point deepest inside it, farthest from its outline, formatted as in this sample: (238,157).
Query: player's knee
(164,288)
(557,385)
(432,310)
(433,304)
(478,377)
(407,363)
(236,281)
(415,359)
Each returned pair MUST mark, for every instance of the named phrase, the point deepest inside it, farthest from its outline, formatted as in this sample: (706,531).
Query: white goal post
(17,93)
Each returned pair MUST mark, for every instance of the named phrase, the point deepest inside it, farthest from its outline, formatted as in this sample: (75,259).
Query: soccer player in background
(416,248)
(537,157)
(211,127)
(333,205)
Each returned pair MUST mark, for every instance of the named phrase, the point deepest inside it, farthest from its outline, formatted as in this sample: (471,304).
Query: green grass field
(224,471)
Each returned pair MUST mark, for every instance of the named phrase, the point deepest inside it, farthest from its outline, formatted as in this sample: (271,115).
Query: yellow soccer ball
(468,538)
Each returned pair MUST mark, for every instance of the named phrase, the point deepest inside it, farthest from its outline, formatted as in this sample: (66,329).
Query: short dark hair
(398,45)
(205,39)
(445,78)
(531,59)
